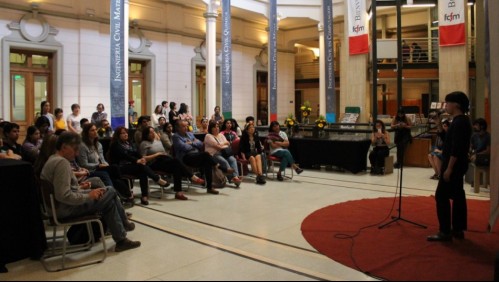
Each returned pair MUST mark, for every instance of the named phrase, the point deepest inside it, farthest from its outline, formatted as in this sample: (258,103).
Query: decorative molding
(144,45)
(202,53)
(22,27)
(262,59)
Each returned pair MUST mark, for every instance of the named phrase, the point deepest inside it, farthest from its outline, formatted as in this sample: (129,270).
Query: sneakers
(129,226)
(126,244)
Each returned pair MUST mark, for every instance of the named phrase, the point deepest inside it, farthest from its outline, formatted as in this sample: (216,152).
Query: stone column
(354,83)
(211,58)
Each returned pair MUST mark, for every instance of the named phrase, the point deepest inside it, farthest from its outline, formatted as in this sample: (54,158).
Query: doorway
(262,98)
(30,84)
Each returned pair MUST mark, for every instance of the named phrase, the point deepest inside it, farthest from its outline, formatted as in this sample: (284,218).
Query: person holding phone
(402,126)
(380,139)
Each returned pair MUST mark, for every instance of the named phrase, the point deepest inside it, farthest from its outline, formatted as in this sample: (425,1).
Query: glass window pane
(18,97)
(137,95)
(17,59)
(40,92)
(40,61)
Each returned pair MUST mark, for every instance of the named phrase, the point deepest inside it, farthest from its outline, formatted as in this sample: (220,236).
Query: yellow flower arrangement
(306,109)
(321,122)
(290,121)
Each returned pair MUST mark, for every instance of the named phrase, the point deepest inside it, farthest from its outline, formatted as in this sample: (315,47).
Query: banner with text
(451,17)
(358,37)
(117,78)
(329,61)
(273,59)
(227,59)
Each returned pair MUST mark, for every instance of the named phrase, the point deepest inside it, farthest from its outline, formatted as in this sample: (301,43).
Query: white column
(322,71)
(211,59)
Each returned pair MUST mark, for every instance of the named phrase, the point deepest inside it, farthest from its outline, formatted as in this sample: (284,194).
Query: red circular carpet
(400,251)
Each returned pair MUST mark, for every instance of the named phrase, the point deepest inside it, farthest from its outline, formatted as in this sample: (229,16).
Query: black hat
(460,98)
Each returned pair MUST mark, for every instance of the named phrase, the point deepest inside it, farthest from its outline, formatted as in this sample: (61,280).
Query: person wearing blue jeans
(74,200)
(278,142)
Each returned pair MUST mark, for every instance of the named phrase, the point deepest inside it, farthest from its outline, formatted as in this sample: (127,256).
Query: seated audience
(161,124)
(251,149)
(435,156)
(278,142)
(143,122)
(60,122)
(184,114)
(158,113)
(380,139)
(204,126)
(131,162)
(105,131)
(83,122)
(230,130)
(157,159)
(32,144)
(99,116)
(189,150)
(42,123)
(480,140)
(73,201)
(45,112)
(166,138)
(214,143)
(11,134)
(6,153)
(91,159)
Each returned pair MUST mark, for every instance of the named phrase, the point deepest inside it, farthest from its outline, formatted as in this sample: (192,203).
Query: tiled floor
(251,233)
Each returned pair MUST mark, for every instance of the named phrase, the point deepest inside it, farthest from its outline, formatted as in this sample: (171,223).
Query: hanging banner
(118,61)
(329,61)
(358,37)
(227,60)
(273,59)
(451,17)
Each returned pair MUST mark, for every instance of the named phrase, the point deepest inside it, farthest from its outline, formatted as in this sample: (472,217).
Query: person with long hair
(229,129)
(173,114)
(157,159)
(251,149)
(380,139)
(402,126)
(204,125)
(158,113)
(32,144)
(131,162)
(45,112)
(166,137)
(278,142)
(214,143)
(91,157)
(183,114)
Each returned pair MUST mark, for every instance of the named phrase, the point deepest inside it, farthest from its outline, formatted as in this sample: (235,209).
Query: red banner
(451,20)
(357,27)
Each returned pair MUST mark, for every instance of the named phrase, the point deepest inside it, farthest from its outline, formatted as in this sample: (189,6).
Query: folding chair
(54,252)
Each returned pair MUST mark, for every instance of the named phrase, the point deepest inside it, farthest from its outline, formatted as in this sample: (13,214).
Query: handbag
(227,152)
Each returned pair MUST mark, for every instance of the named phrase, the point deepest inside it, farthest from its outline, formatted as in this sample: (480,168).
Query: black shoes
(298,170)
(260,179)
(126,244)
(458,235)
(279,177)
(396,165)
(144,201)
(440,237)
(129,226)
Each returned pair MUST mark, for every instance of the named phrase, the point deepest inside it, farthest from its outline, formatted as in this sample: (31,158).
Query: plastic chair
(54,252)
(273,162)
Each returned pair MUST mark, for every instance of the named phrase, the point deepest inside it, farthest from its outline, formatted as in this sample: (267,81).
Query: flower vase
(322,133)
(305,120)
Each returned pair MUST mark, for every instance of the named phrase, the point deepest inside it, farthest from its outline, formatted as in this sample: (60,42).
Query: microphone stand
(399,216)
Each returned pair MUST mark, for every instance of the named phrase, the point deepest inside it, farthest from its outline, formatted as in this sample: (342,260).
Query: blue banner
(227,59)
(117,78)
(329,61)
(273,59)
